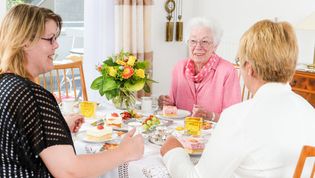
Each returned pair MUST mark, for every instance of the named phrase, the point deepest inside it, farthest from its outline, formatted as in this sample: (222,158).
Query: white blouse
(261,137)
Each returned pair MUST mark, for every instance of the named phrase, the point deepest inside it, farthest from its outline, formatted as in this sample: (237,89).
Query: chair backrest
(246,94)
(65,80)
(307,152)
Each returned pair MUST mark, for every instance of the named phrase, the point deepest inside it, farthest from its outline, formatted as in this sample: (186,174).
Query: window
(72,14)
(72,17)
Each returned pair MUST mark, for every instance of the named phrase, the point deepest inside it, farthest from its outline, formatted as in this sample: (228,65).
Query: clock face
(170,6)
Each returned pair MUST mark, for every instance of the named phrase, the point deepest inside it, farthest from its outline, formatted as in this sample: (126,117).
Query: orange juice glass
(193,125)
(87,108)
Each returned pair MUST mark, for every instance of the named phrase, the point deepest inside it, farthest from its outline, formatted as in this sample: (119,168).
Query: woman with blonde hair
(35,139)
(263,136)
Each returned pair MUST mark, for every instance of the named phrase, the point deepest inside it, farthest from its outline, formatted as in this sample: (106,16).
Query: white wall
(235,17)
(2,8)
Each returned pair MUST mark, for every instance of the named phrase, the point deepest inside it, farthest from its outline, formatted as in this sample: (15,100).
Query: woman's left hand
(199,111)
(170,143)
(74,122)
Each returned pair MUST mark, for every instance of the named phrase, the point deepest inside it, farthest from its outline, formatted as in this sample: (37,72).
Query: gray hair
(211,24)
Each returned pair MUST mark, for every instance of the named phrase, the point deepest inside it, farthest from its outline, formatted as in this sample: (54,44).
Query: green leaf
(147,88)
(112,93)
(134,87)
(97,83)
(109,84)
(110,62)
(142,65)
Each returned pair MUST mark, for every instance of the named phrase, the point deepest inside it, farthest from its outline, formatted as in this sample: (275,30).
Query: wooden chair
(246,94)
(307,151)
(61,81)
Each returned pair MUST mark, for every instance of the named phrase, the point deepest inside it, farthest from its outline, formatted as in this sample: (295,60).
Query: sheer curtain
(98,40)
(133,29)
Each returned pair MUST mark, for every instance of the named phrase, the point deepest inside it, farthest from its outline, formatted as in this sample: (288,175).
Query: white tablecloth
(151,164)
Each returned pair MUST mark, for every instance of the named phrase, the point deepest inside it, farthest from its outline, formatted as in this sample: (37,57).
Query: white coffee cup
(146,104)
(68,105)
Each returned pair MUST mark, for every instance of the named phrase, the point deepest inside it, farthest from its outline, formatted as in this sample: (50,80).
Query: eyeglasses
(202,43)
(237,61)
(52,39)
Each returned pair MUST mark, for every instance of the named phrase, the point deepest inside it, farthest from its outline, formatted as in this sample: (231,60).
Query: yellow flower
(131,60)
(140,73)
(120,62)
(112,71)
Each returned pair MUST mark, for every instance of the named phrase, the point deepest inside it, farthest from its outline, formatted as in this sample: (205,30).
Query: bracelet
(213,117)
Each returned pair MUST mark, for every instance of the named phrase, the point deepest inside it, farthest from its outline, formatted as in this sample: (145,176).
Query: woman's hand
(74,122)
(165,100)
(170,143)
(199,111)
(132,146)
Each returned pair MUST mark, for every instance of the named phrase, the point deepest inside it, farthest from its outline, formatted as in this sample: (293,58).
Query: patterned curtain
(133,30)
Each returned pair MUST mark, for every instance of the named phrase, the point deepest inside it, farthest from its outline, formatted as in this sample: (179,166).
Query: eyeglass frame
(51,40)
(202,43)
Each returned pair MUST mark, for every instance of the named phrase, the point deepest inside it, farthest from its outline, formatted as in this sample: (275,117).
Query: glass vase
(124,100)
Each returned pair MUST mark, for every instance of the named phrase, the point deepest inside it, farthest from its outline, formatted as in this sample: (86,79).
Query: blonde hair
(271,48)
(23,24)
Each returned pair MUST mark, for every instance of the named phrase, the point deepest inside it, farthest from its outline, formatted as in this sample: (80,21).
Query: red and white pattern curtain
(133,29)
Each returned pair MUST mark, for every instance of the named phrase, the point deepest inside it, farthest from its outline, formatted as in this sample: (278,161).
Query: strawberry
(114,114)
(100,127)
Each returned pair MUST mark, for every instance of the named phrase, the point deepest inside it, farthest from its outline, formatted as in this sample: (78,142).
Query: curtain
(133,30)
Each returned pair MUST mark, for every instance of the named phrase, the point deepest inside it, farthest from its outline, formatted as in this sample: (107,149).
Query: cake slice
(193,145)
(170,111)
(99,133)
(114,122)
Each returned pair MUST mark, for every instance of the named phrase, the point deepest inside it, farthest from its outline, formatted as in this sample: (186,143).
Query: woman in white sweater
(261,137)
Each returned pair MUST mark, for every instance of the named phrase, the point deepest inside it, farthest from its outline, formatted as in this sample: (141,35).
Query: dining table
(149,166)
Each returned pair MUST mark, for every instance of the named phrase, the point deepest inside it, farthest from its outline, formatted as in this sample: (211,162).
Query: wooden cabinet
(303,83)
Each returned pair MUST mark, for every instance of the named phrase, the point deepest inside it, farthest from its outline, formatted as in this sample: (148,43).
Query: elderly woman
(34,137)
(204,83)
(261,137)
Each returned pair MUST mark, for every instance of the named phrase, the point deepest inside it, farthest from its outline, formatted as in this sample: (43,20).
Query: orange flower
(128,72)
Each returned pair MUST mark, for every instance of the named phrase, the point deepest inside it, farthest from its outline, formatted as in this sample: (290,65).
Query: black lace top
(30,121)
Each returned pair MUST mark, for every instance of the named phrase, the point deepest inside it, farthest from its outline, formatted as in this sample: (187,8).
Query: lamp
(309,24)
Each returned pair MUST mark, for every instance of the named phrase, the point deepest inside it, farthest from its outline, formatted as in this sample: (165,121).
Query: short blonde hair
(271,48)
(23,24)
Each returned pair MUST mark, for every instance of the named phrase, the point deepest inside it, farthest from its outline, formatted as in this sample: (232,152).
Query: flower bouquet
(121,76)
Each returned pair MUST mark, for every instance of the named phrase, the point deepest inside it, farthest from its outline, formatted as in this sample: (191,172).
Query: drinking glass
(193,125)
(87,108)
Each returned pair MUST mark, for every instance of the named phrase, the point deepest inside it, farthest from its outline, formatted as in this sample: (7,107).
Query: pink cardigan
(219,90)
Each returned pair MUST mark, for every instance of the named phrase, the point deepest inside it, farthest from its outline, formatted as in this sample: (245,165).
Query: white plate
(82,136)
(180,114)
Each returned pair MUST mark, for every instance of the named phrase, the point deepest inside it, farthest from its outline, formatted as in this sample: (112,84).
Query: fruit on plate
(206,125)
(126,115)
(150,123)
(114,114)
(98,122)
